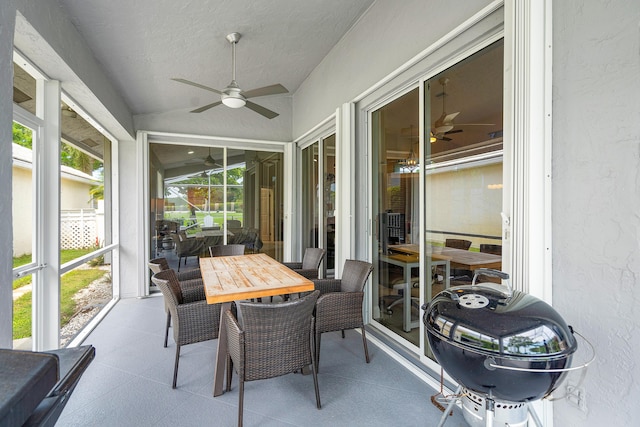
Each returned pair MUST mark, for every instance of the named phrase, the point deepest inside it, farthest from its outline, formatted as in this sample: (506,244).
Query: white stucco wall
(387,36)
(22,210)
(596,199)
(74,194)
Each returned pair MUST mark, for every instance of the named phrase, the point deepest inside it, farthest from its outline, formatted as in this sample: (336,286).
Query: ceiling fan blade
(261,110)
(475,124)
(206,107)
(264,91)
(449,117)
(454,131)
(189,82)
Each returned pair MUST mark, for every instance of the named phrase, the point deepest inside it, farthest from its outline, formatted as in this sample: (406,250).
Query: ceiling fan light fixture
(232,96)
(233,102)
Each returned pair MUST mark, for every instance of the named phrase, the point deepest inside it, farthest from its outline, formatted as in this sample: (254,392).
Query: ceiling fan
(208,162)
(211,162)
(444,124)
(233,96)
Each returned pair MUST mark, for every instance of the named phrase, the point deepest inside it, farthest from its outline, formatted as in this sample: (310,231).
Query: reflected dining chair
(491,249)
(191,286)
(459,276)
(226,250)
(272,339)
(339,306)
(310,263)
(458,244)
(193,322)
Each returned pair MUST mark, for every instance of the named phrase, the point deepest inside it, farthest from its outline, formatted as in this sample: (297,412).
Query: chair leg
(240,400)
(166,332)
(175,369)
(314,365)
(343,334)
(364,342)
(317,351)
(229,372)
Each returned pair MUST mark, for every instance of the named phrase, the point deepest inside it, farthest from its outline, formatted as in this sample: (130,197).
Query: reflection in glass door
(309,193)
(204,196)
(458,209)
(396,250)
(318,199)
(329,205)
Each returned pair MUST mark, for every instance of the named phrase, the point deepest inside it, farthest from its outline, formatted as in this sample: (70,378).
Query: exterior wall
(596,188)
(74,195)
(22,210)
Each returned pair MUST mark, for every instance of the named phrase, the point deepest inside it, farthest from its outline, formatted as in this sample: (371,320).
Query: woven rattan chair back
(491,249)
(193,321)
(458,244)
(312,258)
(157,265)
(274,339)
(226,250)
(354,275)
(168,283)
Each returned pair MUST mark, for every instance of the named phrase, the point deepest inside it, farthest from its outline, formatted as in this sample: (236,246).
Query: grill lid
(486,319)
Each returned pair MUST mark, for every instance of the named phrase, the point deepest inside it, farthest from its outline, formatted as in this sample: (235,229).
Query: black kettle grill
(499,343)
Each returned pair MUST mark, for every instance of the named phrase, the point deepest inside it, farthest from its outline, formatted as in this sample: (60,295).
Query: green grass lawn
(71,283)
(218,217)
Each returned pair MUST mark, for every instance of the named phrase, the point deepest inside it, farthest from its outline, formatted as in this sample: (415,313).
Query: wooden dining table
(232,278)
(459,258)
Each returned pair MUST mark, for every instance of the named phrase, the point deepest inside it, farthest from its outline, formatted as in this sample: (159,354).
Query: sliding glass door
(202,196)
(318,198)
(436,189)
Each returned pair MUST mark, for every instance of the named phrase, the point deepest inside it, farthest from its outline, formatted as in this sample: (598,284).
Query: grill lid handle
(494,273)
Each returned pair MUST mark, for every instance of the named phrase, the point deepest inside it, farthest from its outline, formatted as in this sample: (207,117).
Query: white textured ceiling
(141,44)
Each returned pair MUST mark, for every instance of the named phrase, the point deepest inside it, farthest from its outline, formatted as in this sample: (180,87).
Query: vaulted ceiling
(142,44)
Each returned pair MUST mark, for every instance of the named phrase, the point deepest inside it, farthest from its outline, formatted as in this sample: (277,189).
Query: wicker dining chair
(273,339)
(226,250)
(310,263)
(458,244)
(191,285)
(339,306)
(193,322)
(491,249)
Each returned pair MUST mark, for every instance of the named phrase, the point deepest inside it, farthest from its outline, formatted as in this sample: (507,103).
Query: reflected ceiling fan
(209,162)
(233,96)
(444,124)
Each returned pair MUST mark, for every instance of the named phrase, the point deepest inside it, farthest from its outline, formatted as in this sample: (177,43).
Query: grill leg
(534,415)
(449,407)
(490,411)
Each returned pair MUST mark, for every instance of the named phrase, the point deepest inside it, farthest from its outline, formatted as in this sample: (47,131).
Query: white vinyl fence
(81,228)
